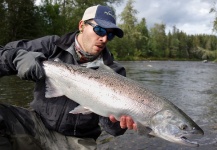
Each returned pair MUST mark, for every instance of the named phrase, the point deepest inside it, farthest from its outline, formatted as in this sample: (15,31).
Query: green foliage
(17,20)
(205,54)
(3,21)
(21,19)
(143,39)
(134,44)
(158,40)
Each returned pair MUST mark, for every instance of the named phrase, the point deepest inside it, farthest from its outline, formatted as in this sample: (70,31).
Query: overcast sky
(189,16)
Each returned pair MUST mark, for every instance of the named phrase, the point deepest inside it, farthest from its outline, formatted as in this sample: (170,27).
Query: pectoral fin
(51,89)
(143,130)
(80,110)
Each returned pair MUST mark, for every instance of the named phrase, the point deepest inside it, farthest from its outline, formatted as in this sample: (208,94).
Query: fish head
(175,126)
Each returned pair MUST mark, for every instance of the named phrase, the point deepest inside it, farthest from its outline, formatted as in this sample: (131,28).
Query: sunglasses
(101,31)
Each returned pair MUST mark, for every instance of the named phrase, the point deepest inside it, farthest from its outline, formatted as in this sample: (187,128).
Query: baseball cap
(104,17)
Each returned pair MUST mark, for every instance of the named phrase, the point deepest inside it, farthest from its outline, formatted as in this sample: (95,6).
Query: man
(49,125)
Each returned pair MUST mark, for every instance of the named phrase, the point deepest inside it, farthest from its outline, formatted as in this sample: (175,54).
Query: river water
(192,86)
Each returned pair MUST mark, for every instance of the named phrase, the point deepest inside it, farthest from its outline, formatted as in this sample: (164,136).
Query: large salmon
(108,93)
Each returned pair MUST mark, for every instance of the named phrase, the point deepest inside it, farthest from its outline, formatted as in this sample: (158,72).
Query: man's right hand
(125,122)
(28,65)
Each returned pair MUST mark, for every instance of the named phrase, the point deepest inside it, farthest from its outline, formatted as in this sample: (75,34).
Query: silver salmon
(107,93)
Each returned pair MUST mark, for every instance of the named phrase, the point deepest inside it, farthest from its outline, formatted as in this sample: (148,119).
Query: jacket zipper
(76,123)
(60,117)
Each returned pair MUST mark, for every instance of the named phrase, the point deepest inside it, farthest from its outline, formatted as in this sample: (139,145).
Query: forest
(23,19)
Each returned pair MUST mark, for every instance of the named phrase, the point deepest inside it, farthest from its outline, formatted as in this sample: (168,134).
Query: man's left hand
(125,122)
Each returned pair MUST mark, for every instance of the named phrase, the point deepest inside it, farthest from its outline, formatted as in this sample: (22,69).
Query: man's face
(89,40)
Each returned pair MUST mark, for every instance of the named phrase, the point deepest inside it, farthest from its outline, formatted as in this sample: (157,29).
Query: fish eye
(183,127)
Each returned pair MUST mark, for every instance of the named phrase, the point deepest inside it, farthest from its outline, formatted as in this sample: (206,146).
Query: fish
(104,92)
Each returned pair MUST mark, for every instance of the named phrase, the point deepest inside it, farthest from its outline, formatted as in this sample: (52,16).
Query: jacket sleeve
(8,52)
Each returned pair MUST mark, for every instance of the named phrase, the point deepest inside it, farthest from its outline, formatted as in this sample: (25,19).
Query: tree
(214,10)
(128,24)
(142,40)
(134,43)
(173,43)
(158,40)
(18,19)
(3,21)
(53,21)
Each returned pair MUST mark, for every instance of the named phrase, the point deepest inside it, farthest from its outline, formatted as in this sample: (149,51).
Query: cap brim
(108,25)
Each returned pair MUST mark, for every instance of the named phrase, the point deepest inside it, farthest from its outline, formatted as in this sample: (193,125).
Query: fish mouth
(185,141)
(193,134)
(187,138)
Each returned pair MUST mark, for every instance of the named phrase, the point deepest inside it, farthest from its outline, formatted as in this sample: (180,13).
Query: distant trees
(158,41)
(141,43)
(134,44)
(17,20)
(22,19)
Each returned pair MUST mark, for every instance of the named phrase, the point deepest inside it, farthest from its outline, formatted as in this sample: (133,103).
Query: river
(192,86)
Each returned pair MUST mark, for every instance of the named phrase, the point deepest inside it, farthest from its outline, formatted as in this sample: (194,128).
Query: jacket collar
(65,41)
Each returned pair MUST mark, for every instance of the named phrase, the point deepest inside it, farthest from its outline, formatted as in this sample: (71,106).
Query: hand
(28,65)
(125,122)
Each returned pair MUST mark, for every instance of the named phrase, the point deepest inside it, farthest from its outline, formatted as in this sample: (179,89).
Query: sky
(189,16)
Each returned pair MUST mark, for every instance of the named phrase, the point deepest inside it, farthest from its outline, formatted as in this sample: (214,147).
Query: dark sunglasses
(101,31)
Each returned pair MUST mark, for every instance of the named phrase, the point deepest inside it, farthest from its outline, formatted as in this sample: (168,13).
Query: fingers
(127,122)
(134,127)
(123,123)
(112,119)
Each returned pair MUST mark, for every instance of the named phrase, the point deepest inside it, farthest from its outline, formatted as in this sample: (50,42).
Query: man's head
(104,17)
(97,27)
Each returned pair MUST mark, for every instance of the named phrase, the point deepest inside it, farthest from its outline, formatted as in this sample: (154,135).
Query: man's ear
(81,26)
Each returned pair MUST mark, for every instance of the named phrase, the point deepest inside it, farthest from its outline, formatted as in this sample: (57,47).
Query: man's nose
(104,38)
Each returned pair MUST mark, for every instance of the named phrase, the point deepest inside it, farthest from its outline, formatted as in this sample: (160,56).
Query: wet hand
(125,122)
